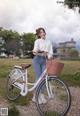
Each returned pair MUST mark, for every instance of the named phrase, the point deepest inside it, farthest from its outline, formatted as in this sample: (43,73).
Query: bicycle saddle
(25,66)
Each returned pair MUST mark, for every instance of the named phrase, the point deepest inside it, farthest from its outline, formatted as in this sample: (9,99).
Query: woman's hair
(38,31)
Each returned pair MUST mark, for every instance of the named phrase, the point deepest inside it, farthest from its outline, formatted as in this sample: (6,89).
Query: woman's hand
(41,53)
(45,53)
(34,52)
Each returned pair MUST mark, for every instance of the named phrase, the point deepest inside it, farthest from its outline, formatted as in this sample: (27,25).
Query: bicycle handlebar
(41,53)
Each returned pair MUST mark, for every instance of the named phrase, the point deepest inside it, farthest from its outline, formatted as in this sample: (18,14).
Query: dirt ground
(30,110)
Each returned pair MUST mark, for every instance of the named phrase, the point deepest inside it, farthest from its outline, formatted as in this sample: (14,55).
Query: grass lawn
(5,66)
(70,74)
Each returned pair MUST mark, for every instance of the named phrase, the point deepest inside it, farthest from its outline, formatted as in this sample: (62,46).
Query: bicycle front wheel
(56,98)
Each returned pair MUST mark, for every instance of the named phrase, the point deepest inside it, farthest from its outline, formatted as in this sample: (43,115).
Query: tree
(28,40)
(16,43)
(73,53)
(71,3)
(11,39)
(1,28)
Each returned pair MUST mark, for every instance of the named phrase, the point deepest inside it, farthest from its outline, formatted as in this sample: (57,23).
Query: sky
(61,24)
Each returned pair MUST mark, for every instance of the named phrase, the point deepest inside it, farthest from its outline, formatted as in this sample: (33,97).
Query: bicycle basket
(54,67)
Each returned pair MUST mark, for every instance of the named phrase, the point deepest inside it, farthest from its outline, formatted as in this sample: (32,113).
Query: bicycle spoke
(13,92)
(57,98)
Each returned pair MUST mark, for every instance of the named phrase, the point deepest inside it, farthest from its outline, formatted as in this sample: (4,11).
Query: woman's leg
(37,66)
(38,71)
(42,97)
(43,67)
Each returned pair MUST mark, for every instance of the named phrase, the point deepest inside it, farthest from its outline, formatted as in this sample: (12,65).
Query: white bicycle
(55,91)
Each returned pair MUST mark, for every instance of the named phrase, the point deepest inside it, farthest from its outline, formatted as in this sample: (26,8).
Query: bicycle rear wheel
(56,95)
(12,92)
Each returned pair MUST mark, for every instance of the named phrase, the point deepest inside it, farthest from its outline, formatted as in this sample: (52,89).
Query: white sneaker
(34,99)
(43,98)
(39,99)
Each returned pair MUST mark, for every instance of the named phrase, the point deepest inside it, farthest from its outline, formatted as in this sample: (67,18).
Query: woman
(41,44)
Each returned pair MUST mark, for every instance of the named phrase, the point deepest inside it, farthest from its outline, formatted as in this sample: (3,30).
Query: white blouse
(43,45)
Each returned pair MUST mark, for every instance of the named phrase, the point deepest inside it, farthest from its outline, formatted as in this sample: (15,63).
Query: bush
(72,79)
(13,111)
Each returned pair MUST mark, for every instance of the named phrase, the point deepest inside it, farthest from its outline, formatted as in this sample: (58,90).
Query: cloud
(26,15)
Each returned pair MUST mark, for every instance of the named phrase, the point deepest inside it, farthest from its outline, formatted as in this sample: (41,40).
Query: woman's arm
(34,52)
(40,53)
(36,47)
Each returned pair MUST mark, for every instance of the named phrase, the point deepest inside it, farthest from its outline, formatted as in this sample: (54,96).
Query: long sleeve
(50,53)
(36,46)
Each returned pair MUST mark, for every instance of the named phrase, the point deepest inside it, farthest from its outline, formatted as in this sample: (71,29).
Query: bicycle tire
(40,107)
(9,89)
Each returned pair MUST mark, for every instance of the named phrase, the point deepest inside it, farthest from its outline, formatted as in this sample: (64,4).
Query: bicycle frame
(38,81)
(24,85)
(18,85)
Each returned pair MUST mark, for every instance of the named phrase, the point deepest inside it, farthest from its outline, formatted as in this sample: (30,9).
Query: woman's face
(42,34)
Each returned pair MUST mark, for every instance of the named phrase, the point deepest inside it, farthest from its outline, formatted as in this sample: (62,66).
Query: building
(64,47)
(78,46)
